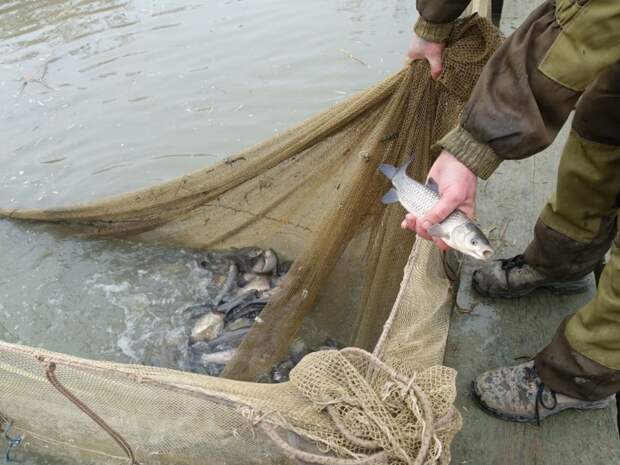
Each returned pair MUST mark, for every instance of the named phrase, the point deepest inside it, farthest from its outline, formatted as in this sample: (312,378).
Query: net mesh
(312,193)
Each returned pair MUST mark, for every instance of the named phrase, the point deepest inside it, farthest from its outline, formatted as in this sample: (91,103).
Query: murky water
(103,96)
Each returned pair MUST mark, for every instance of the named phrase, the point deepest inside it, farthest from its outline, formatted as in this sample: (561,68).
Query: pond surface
(104,96)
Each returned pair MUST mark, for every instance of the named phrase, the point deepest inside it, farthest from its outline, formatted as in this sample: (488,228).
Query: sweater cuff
(432,32)
(478,157)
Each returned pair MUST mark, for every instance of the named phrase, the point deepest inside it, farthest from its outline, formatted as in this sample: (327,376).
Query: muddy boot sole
(530,419)
(558,288)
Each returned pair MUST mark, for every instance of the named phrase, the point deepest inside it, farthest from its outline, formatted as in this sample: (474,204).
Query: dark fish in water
(284,267)
(229,284)
(457,230)
(214,369)
(256,260)
(238,301)
(253,306)
(239,323)
(244,306)
(332,344)
(196,311)
(250,312)
(220,358)
(245,258)
(267,263)
(258,284)
(281,372)
(196,365)
(208,327)
(228,340)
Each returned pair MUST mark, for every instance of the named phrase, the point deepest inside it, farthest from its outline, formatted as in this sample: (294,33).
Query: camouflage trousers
(575,230)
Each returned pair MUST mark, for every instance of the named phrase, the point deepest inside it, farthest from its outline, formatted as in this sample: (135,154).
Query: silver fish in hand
(457,230)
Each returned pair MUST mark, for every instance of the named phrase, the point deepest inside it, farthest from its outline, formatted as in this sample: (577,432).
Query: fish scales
(419,199)
(415,197)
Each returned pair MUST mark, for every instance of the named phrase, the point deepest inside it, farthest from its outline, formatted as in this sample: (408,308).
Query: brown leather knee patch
(568,372)
(557,255)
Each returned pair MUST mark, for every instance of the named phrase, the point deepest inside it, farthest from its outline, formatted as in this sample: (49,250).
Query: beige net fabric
(312,194)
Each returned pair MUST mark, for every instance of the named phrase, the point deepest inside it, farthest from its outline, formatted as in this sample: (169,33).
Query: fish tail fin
(390,196)
(388,170)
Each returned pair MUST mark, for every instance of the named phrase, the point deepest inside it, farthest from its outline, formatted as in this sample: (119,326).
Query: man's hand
(457,188)
(431,51)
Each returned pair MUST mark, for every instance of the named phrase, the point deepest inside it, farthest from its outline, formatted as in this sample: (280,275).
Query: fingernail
(403,225)
(426,225)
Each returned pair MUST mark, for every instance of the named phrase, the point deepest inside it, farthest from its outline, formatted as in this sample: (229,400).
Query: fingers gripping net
(312,194)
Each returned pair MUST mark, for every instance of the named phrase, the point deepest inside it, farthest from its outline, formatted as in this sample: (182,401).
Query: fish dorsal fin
(390,196)
(432,185)
(403,169)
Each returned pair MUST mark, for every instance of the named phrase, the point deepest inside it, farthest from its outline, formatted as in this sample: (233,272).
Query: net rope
(312,194)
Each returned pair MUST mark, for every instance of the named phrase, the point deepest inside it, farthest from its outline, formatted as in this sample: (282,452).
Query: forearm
(531,84)
(436,17)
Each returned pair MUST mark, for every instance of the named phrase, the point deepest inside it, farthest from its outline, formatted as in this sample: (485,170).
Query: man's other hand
(430,51)
(457,190)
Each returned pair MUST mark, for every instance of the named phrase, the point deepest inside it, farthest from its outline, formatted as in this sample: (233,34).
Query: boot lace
(509,264)
(532,373)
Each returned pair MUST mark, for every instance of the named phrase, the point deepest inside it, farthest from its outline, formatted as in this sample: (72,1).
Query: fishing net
(311,193)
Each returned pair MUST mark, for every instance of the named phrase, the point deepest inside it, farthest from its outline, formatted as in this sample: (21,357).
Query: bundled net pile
(312,194)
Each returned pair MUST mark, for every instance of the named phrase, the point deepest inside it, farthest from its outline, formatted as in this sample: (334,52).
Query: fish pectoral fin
(390,196)
(437,231)
(432,185)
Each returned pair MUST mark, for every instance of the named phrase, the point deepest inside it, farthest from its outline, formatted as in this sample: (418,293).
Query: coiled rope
(327,379)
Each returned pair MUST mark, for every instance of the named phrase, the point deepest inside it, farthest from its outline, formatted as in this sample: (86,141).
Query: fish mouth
(483,254)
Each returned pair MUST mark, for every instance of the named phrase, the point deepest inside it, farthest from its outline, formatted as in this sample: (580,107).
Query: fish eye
(474,242)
